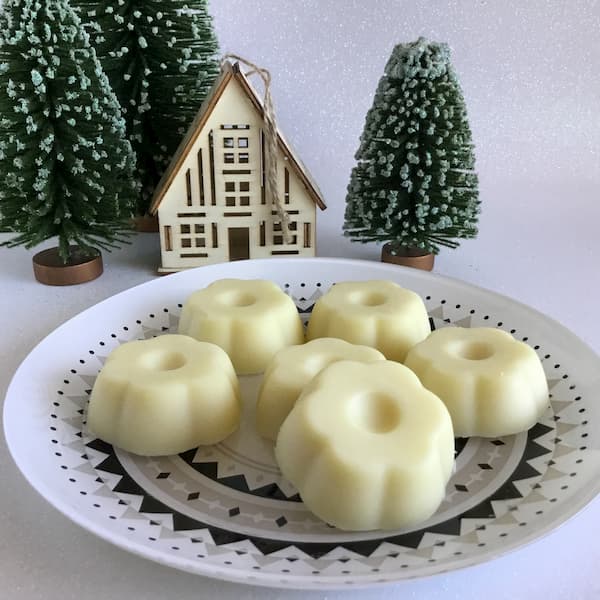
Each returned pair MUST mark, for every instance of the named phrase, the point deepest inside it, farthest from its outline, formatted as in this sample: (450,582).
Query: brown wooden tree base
(49,268)
(145,224)
(408,257)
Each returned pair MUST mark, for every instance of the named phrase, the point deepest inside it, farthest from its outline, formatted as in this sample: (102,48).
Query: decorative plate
(225,511)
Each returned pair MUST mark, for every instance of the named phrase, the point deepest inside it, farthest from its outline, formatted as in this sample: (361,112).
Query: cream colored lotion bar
(292,369)
(377,313)
(250,319)
(492,384)
(367,446)
(165,395)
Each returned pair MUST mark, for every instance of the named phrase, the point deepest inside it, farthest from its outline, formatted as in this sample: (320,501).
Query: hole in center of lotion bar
(163,361)
(375,412)
(238,299)
(368,298)
(474,350)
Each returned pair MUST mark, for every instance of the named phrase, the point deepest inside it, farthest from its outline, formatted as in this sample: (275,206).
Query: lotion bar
(367,446)
(165,395)
(492,384)
(380,314)
(292,369)
(250,319)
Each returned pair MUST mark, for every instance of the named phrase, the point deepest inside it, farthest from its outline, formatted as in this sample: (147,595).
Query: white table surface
(546,259)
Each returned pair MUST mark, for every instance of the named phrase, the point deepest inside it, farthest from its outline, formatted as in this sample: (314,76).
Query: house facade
(211,202)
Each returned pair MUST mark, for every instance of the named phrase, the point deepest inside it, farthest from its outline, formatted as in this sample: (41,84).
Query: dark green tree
(161,59)
(66,166)
(414,184)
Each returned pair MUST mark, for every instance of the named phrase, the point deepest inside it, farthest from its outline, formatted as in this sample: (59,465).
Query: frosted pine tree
(414,184)
(66,167)
(161,59)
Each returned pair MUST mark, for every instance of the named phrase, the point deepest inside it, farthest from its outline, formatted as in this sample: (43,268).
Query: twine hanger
(270,142)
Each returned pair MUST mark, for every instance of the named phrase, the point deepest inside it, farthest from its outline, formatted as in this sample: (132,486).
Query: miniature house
(211,201)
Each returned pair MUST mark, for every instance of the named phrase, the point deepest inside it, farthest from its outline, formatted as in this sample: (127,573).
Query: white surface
(529,75)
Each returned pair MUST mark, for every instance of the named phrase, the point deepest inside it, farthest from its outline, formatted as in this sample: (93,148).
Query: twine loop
(270,142)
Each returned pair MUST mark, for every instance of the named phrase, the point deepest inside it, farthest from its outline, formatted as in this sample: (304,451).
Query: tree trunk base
(408,257)
(49,268)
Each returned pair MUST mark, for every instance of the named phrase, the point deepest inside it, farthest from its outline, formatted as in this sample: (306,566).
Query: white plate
(224,511)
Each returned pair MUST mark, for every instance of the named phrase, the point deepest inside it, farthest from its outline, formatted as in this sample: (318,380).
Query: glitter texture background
(529,72)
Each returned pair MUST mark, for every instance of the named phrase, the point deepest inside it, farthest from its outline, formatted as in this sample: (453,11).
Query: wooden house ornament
(211,201)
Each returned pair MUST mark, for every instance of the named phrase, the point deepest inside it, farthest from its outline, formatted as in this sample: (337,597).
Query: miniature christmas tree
(66,167)
(414,184)
(160,58)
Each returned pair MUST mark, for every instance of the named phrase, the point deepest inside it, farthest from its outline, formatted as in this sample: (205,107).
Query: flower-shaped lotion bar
(380,314)
(367,446)
(165,395)
(492,384)
(250,319)
(292,369)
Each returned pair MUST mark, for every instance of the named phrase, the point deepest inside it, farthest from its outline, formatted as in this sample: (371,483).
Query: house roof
(228,72)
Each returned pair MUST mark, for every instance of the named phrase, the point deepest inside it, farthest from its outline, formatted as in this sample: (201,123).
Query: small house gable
(211,201)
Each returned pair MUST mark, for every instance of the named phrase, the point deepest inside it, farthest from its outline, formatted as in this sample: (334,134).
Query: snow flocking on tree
(66,164)
(160,57)
(414,184)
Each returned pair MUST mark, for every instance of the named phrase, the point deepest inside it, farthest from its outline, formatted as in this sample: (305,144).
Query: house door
(239,243)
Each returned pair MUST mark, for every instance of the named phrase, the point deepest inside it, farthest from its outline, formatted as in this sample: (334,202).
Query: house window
(198,228)
(168,238)
(243,142)
(278,239)
(211,163)
(230,201)
(230,186)
(228,142)
(200,242)
(244,186)
(215,237)
(184,229)
(243,157)
(188,187)
(244,200)
(201,177)
(293,226)
(229,157)
(286,187)
(186,242)
(262,233)
(263,199)
(230,126)
(307,240)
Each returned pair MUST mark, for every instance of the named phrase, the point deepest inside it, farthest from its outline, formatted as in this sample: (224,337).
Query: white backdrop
(529,72)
